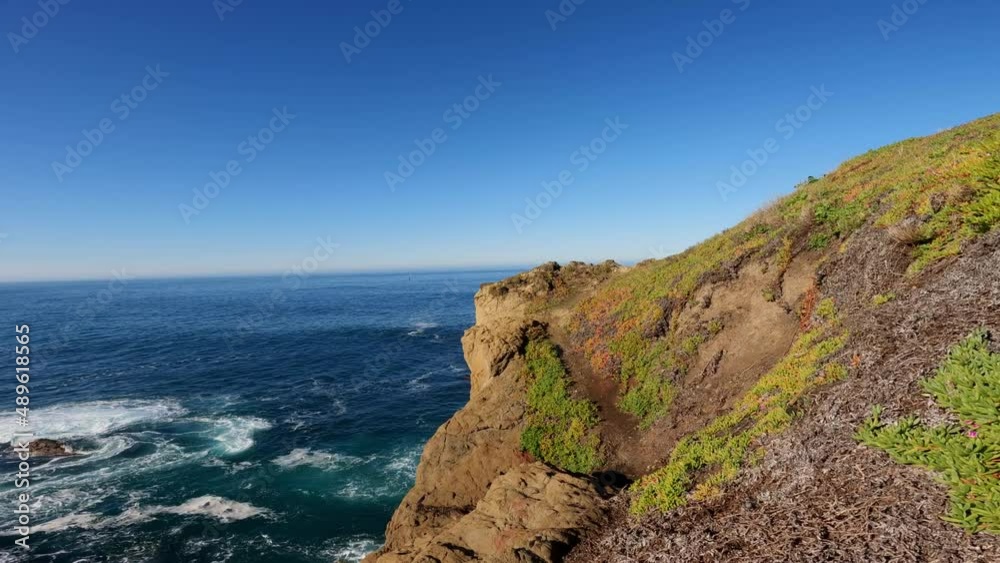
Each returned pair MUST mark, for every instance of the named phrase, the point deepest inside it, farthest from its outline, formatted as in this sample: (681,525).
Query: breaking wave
(95,418)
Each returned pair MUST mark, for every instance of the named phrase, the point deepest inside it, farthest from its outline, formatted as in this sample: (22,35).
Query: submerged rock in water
(42,447)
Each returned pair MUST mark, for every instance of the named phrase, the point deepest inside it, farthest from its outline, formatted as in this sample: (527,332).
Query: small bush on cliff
(727,443)
(965,456)
(560,430)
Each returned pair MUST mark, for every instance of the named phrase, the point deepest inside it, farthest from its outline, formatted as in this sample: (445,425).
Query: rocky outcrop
(476,498)
(42,448)
(532,514)
(491,348)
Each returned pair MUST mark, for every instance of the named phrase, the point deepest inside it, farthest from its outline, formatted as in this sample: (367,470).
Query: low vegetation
(560,430)
(940,191)
(704,461)
(882,299)
(965,455)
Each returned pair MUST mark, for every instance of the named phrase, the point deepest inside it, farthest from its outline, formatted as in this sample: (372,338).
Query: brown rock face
(475,497)
(532,514)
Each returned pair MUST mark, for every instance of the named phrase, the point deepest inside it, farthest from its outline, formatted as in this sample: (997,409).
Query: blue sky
(646,187)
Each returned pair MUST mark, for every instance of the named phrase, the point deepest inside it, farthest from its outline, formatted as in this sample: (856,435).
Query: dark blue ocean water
(243,420)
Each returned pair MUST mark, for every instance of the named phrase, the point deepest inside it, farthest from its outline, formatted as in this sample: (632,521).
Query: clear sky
(200,88)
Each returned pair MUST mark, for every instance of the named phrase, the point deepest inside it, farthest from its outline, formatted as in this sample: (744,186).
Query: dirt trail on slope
(618,429)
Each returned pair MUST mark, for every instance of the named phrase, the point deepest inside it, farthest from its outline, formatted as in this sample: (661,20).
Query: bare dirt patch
(756,333)
(618,429)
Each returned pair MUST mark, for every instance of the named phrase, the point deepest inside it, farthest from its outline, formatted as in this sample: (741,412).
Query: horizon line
(389,270)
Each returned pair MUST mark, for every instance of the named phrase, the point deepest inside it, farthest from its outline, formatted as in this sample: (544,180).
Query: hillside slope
(728,385)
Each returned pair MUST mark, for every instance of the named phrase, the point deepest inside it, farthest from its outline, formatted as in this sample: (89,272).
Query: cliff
(477,497)
(767,394)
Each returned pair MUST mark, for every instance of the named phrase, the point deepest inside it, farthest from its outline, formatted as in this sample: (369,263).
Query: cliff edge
(818,383)
(477,497)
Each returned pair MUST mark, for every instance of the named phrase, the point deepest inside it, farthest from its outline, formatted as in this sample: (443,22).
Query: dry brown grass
(909,232)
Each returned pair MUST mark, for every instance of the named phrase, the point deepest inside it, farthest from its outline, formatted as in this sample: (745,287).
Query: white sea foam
(101,473)
(405,463)
(418,384)
(85,520)
(395,475)
(95,418)
(351,550)
(234,434)
(420,328)
(322,460)
(107,448)
(222,509)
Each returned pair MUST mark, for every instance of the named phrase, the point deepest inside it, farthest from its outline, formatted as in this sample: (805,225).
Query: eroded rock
(531,514)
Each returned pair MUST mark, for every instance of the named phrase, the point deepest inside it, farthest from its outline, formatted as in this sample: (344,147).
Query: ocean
(243,420)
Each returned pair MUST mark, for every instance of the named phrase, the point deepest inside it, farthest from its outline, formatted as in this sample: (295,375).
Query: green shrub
(560,430)
(819,241)
(964,455)
(881,299)
(691,344)
(827,309)
(648,399)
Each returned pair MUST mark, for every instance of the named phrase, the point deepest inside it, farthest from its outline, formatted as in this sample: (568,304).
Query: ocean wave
(351,550)
(234,434)
(420,328)
(419,384)
(85,520)
(319,459)
(106,449)
(392,475)
(405,461)
(222,509)
(219,508)
(95,418)
(107,465)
